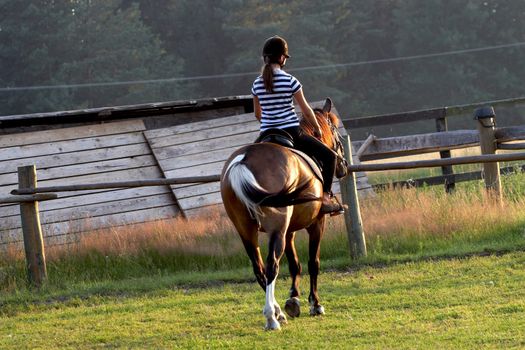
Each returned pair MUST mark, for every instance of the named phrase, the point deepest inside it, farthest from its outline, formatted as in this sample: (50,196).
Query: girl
(273,94)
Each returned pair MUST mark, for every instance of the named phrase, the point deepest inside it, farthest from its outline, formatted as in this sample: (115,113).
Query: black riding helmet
(275,47)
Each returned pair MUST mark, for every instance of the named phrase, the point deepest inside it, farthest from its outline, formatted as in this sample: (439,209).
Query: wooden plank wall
(200,148)
(86,154)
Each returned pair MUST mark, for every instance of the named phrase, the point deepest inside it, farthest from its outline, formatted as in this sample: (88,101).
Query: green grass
(386,177)
(427,282)
(405,245)
(458,303)
(400,226)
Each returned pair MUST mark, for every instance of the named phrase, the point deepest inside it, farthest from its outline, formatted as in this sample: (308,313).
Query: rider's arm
(257,108)
(308,113)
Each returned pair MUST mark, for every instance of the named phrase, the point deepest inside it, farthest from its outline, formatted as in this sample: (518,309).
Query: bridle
(338,145)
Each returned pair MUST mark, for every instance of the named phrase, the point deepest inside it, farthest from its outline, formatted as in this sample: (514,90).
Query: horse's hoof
(279,315)
(282,318)
(293,307)
(316,310)
(272,325)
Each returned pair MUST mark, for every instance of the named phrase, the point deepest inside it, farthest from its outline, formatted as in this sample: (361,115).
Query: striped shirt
(277,108)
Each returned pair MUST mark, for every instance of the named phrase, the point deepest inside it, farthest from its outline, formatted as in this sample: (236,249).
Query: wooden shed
(174,139)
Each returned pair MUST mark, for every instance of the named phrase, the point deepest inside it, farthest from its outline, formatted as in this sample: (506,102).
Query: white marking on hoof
(281,317)
(271,308)
(293,307)
(316,310)
(272,325)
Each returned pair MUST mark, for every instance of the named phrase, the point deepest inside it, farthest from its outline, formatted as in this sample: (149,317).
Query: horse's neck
(325,128)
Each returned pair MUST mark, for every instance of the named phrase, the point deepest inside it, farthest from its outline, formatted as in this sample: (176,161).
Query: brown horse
(269,188)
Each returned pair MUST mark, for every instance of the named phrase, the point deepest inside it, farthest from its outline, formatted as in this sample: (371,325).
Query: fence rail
(436,113)
(444,179)
(442,141)
(30,194)
(119,184)
(28,198)
(487,158)
(487,136)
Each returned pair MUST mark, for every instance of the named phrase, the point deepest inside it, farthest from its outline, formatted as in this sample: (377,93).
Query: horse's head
(328,123)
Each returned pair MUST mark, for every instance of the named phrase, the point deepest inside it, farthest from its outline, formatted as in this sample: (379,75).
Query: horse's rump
(265,174)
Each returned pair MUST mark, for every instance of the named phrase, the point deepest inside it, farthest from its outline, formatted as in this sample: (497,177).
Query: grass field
(443,271)
(454,304)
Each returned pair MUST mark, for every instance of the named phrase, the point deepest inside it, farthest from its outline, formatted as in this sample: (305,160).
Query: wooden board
(74,200)
(31,151)
(88,154)
(201,148)
(79,157)
(23,139)
(66,231)
(391,147)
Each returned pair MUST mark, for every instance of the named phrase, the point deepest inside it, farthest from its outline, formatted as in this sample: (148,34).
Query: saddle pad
(313,165)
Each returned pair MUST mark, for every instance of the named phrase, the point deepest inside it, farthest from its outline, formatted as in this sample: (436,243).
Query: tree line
(371,57)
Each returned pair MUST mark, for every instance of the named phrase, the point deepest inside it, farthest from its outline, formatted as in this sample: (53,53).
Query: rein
(338,145)
(335,136)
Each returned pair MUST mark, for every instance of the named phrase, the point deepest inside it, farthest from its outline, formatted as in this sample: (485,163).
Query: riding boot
(330,205)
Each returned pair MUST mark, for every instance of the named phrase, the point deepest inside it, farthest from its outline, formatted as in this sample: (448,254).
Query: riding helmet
(275,46)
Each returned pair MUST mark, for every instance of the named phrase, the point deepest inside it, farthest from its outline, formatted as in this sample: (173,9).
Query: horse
(269,188)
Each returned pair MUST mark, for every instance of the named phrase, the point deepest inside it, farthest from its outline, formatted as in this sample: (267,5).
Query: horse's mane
(322,120)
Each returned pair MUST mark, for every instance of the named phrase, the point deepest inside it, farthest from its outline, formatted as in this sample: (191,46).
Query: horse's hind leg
(276,226)
(248,230)
(315,232)
(292,305)
(254,253)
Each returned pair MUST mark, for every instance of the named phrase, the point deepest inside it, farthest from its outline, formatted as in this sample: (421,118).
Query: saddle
(283,138)
(277,136)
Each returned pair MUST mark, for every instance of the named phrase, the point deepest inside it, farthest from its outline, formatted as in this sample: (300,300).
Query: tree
(307,28)
(55,43)
(446,25)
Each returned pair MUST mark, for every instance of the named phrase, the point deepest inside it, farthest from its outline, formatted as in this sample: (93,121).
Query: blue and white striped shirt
(277,108)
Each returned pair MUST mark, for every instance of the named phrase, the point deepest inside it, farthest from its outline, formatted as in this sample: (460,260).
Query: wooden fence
(442,141)
(29,195)
(487,136)
(118,151)
(81,154)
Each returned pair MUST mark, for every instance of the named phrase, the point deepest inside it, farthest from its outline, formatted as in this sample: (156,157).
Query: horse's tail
(245,185)
(253,195)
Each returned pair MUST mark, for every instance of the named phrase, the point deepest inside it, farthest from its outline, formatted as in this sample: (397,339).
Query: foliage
(80,42)
(52,43)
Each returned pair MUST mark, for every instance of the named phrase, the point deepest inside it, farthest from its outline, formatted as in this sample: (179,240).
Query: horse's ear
(327,105)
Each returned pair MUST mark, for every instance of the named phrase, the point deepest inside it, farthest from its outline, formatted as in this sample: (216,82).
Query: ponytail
(267,75)
(267,71)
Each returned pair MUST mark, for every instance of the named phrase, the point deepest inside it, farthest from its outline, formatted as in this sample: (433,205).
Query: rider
(273,95)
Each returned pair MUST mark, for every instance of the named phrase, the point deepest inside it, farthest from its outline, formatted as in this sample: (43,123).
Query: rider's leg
(315,148)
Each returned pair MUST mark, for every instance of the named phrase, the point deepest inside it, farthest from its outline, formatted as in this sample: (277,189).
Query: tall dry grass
(402,222)
(204,236)
(396,214)
(432,213)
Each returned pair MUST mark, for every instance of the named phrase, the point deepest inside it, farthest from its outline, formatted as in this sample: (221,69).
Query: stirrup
(341,206)
(334,208)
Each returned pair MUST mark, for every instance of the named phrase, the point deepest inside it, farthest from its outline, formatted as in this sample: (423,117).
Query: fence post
(32,231)
(353,221)
(487,140)
(447,171)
